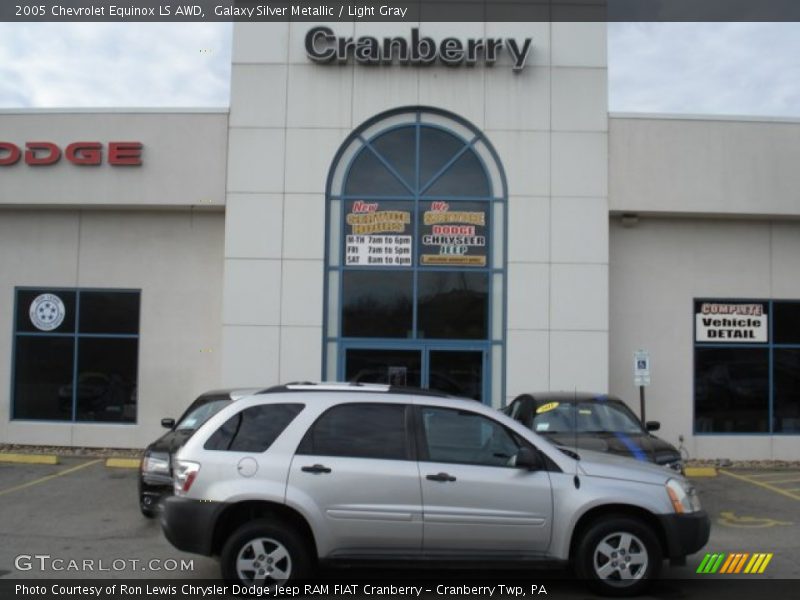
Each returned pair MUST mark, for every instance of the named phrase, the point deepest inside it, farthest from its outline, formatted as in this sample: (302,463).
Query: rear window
(254,429)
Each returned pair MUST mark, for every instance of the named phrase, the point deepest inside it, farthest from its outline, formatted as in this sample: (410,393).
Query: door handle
(316,469)
(441,477)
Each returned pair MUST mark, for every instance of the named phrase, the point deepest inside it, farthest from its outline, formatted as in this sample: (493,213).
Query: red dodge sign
(78,153)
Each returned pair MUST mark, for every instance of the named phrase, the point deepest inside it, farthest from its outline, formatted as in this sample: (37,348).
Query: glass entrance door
(395,367)
(457,372)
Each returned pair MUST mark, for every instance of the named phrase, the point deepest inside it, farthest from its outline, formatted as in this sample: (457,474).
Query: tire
(618,556)
(265,553)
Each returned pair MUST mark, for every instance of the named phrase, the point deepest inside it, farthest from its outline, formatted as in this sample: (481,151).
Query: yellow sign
(546,407)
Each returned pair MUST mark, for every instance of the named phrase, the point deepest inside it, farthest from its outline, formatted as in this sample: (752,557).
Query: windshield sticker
(542,426)
(585,411)
(546,407)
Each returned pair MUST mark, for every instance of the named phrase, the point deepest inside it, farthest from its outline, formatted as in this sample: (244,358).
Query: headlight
(683,496)
(156,463)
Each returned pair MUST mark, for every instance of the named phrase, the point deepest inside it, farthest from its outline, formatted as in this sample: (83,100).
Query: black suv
(594,422)
(155,475)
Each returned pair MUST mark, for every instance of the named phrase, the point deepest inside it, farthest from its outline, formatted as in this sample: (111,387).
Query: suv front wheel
(618,556)
(265,553)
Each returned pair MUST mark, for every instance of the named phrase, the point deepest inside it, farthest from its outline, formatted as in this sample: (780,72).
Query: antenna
(576,480)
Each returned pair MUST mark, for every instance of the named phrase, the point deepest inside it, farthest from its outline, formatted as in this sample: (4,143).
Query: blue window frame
(746,366)
(75,356)
(415,254)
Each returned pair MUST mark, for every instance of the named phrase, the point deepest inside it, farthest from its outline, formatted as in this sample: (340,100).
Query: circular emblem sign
(47,312)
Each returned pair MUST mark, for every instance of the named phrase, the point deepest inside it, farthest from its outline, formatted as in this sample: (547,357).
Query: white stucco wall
(183,158)
(704,165)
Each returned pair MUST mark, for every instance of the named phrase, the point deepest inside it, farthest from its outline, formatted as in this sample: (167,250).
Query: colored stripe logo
(735,563)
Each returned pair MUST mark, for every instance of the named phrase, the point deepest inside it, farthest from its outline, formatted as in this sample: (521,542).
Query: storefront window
(415,261)
(76,355)
(747,366)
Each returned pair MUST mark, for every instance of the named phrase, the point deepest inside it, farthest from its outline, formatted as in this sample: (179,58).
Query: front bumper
(685,534)
(189,524)
(152,489)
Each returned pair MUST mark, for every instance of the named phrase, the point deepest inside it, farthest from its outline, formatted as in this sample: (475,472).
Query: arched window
(415,256)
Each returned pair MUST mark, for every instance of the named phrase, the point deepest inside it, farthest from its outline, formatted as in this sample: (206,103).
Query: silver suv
(280,480)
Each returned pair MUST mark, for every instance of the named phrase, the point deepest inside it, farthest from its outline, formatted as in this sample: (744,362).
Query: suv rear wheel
(265,553)
(618,556)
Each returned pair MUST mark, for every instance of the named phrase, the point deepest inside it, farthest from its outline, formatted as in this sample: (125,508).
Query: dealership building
(435,204)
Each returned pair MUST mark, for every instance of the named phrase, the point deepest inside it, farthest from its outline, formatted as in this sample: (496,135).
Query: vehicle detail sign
(738,322)
(378,235)
(453,234)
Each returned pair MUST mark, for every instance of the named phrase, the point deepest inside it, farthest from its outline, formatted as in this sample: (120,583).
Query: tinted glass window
(62,372)
(43,378)
(786,412)
(395,367)
(106,389)
(464,178)
(454,436)
(787,322)
(453,305)
(109,312)
(254,429)
(359,431)
(377,304)
(436,149)
(370,177)
(731,390)
(398,147)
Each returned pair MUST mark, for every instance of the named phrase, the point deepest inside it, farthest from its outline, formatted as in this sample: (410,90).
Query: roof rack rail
(351,386)
(417,391)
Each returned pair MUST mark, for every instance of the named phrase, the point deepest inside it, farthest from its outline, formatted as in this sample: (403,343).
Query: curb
(29,459)
(700,471)
(123,463)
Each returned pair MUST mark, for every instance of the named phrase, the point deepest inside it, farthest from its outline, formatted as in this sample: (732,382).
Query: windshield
(197,416)
(555,417)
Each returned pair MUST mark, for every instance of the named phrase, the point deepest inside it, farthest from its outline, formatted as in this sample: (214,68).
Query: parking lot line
(49,477)
(763,484)
(774,481)
(773,477)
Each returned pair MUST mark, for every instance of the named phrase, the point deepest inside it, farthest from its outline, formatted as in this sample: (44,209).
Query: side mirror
(529,459)
(168,423)
(652,426)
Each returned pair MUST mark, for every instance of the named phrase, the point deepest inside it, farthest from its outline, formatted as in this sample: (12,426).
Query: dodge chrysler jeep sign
(323,46)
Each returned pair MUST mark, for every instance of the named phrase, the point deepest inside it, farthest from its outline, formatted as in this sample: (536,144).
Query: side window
(359,431)
(457,436)
(254,429)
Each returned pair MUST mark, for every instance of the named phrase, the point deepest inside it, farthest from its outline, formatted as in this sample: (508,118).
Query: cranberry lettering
(120,154)
(324,46)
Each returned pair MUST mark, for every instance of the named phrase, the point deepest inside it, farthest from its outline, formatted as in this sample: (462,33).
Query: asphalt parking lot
(81,510)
